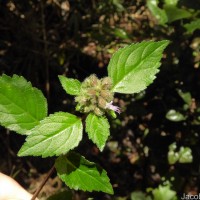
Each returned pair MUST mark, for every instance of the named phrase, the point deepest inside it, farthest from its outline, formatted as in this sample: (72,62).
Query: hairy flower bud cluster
(95,95)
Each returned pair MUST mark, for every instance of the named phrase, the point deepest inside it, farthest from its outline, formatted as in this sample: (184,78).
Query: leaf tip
(165,42)
(101,148)
(110,190)
(20,153)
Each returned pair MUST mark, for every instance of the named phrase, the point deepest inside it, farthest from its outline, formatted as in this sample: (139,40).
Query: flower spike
(112,107)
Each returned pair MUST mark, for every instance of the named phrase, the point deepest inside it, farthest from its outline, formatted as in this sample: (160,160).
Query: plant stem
(43,183)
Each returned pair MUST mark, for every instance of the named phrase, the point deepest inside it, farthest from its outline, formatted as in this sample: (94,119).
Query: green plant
(162,192)
(188,109)
(172,11)
(23,109)
(184,155)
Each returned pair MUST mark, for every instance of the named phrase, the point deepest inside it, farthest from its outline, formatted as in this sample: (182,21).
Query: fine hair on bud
(106,83)
(95,95)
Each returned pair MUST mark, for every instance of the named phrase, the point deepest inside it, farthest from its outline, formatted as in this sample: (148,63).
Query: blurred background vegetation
(154,148)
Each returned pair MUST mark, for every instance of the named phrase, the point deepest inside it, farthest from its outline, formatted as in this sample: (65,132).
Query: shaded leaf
(121,33)
(174,13)
(97,129)
(21,105)
(70,85)
(55,135)
(79,173)
(133,67)
(138,195)
(186,96)
(192,26)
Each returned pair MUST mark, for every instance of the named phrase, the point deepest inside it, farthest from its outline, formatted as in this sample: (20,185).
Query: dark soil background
(43,39)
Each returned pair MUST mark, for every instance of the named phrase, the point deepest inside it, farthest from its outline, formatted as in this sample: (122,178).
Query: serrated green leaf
(133,67)
(175,116)
(21,105)
(70,85)
(55,135)
(192,26)
(98,129)
(174,13)
(79,173)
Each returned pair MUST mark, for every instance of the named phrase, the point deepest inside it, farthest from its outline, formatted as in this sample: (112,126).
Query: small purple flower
(114,108)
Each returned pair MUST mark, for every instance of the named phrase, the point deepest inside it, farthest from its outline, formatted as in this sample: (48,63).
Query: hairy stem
(43,183)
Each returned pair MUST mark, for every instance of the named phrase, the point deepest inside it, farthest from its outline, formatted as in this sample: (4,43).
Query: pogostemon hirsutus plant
(23,109)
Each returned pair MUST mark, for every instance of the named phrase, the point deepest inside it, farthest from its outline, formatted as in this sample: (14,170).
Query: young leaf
(55,135)
(21,105)
(172,157)
(185,154)
(186,96)
(134,67)
(164,193)
(70,85)
(175,116)
(97,129)
(157,12)
(79,173)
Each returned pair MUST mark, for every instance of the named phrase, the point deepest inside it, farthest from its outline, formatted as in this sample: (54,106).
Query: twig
(43,183)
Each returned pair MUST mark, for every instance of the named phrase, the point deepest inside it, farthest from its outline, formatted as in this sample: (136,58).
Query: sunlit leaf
(55,135)
(70,85)
(134,67)
(97,129)
(21,105)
